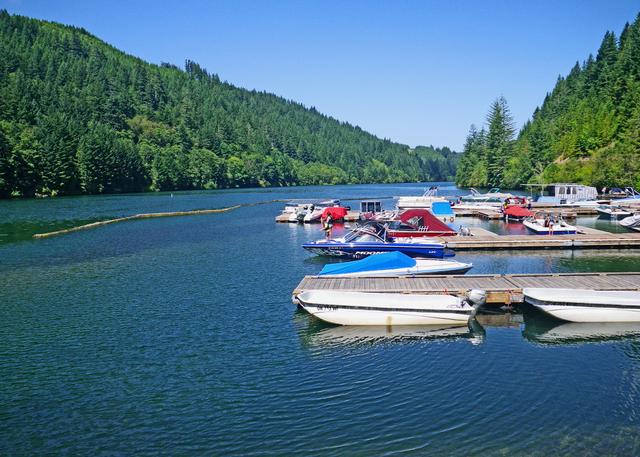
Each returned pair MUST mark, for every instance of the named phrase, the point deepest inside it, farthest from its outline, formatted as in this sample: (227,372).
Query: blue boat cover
(441,209)
(386,261)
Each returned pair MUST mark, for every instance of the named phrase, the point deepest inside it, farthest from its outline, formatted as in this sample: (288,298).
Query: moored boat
(612,212)
(516,213)
(394,264)
(583,305)
(418,223)
(371,238)
(362,308)
(493,196)
(424,201)
(549,226)
(631,222)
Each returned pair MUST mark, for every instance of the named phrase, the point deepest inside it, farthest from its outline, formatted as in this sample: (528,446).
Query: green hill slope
(79,116)
(587,129)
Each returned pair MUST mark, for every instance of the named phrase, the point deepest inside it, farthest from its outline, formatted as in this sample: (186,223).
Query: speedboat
(494,196)
(583,305)
(612,212)
(418,223)
(363,308)
(372,238)
(549,226)
(394,264)
(631,222)
(516,213)
(424,201)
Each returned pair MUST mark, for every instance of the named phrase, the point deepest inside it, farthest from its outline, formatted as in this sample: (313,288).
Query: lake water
(177,336)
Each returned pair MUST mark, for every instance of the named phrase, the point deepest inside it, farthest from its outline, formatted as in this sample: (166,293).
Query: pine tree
(499,141)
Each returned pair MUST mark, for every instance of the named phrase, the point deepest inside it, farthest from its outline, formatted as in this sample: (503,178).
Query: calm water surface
(177,336)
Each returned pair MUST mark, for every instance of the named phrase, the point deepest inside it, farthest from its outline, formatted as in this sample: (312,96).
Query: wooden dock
(501,289)
(589,239)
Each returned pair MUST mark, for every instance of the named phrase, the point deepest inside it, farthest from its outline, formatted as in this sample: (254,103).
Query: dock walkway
(501,289)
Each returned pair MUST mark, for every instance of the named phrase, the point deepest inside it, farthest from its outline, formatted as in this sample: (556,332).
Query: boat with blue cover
(371,238)
(394,264)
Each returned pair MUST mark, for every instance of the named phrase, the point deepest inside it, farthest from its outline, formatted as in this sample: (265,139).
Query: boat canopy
(423,218)
(386,261)
(517,211)
(442,209)
(337,212)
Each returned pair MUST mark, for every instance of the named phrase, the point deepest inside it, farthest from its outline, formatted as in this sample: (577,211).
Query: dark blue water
(177,336)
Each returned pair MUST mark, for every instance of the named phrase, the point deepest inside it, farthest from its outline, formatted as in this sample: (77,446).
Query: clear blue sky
(417,72)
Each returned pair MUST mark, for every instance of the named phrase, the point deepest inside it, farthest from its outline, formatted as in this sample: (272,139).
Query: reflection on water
(315,333)
(540,328)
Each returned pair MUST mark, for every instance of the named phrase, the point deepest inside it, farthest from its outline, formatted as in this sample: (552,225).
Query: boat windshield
(372,231)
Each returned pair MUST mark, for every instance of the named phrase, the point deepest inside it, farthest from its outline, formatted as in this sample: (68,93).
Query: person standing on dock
(327,225)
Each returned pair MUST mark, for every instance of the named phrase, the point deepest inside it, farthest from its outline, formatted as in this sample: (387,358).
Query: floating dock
(501,289)
(588,239)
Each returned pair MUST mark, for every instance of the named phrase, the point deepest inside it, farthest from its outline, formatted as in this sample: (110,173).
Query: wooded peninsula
(79,116)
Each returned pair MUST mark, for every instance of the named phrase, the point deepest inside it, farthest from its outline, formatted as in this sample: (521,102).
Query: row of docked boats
(398,244)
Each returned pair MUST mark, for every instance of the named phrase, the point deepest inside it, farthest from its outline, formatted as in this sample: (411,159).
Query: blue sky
(417,72)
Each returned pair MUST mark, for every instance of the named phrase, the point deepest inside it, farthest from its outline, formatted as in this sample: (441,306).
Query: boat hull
(423,268)
(540,229)
(375,309)
(361,250)
(575,305)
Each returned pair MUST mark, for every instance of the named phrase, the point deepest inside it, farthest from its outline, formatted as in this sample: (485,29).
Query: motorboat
(584,305)
(371,238)
(493,196)
(549,226)
(612,212)
(516,213)
(429,196)
(631,222)
(307,211)
(443,210)
(388,309)
(418,223)
(394,264)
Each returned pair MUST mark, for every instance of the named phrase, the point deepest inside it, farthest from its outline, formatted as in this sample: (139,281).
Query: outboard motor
(477,297)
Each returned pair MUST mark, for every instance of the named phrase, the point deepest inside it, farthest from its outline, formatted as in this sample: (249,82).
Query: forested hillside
(587,130)
(79,116)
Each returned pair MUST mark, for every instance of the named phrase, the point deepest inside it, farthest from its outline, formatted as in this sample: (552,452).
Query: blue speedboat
(372,238)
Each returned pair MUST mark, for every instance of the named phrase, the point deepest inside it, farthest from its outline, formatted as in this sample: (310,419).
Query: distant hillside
(587,129)
(79,116)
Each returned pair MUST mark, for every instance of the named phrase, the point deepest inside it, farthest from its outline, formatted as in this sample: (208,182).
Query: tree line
(79,116)
(587,129)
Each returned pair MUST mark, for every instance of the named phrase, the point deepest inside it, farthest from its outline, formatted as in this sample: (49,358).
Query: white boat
(362,308)
(493,196)
(583,305)
(394,264)
(612,212)
(549,226)
(631,222)
(424,201)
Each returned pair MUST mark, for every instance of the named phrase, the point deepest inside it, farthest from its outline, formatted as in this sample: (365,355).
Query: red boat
(418,223)
(516,213)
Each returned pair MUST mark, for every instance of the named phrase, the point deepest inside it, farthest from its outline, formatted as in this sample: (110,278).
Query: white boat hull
(537,226)
(361,308)
(578,305)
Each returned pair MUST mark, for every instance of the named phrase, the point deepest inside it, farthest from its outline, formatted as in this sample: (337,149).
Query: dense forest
(79,116)
(587,129)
